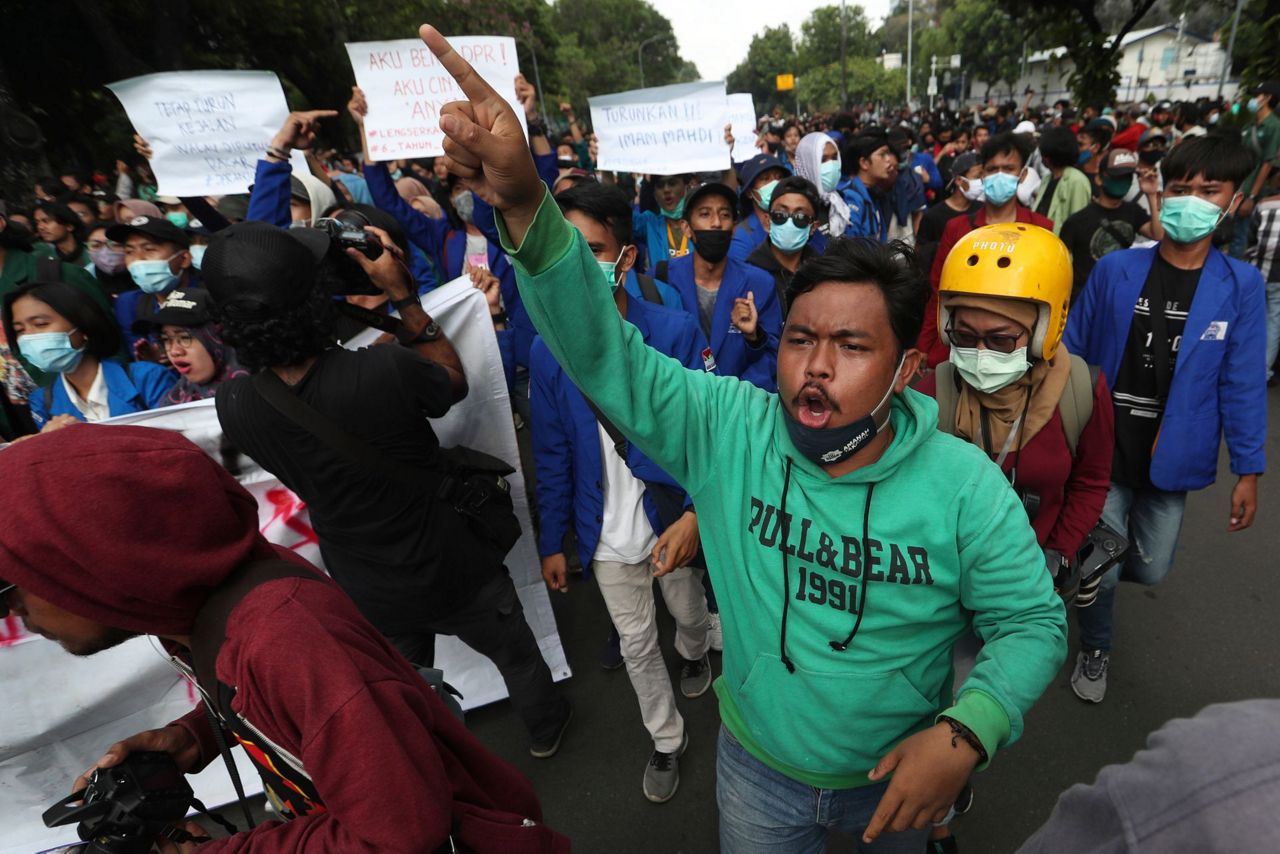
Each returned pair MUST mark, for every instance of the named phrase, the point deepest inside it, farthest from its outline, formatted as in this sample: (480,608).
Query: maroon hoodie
(133,527)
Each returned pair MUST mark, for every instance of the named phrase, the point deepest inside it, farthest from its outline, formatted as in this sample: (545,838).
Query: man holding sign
(821,697)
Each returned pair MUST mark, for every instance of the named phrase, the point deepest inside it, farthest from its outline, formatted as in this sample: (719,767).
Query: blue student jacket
(1219,385)
(867,217)
(566,439)
(734,357)
(934,184)
(670,296)
(650,228)
(135,387)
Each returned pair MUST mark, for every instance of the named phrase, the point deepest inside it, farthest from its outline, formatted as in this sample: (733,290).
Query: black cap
(963,163)
(152,226)
(753,168)
(712,189)
(254,270)
(188,308)
(1163,107)
(1270,87)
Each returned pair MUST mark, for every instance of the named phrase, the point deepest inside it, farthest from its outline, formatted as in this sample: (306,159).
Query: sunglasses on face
(799,218)
(1000,343)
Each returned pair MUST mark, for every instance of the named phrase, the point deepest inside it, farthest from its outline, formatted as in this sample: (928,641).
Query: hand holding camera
(379,257)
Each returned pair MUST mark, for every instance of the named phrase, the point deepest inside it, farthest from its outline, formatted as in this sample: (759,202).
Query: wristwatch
(429,333)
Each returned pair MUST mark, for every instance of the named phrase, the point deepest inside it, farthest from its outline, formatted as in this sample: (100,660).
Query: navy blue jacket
(1219,385)
(566,436)
(734,357)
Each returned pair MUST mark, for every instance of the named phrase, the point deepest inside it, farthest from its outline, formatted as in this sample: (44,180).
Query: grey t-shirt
(706,305)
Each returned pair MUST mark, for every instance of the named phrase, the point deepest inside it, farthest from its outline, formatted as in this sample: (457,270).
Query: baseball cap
(1163,106)
(254,270)
(152,226)
(1119,162)
(1270,87)
(168,200)
(713,188)
(963,164)
(753,168)
(1025,126)
(189,308)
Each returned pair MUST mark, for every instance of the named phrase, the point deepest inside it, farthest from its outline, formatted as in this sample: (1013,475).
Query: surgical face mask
(197,255)
(765,194)
(788,237)
(1027,189)
(1085,157)
(153,277)
(1255,104)
(1187,219)
(178,218)
(1117,188)
(397,175)
(829,174)
(465,204)
(1000,187)
(827,446)
(51,351)
(675,213)
(610,270)
(107,260)
(971,189)
(711,244)
(1213,118)
(989,370)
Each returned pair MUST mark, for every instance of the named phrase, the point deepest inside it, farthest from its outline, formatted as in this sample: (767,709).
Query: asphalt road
(1208,634)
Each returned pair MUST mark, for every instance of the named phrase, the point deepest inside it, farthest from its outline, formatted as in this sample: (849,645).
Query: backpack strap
(660,270)
(649,288)
(1076,405)
(947,394)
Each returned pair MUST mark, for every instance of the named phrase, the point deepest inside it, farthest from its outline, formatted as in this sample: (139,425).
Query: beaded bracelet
(962,732)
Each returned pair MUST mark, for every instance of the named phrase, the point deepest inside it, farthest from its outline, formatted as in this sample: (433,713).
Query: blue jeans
(1239,236)
(765,812)
(1153,520)
(1273,324)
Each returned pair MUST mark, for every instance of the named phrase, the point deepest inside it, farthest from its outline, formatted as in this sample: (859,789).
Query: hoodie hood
(131,527)
(809,167)
(319,194)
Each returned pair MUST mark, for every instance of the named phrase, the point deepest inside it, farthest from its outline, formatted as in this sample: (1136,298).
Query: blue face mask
(1254,104)
(153,277)
(51,351)
(197,255)
(1187,219)
(788,237)
(1000,187)
(397,175)
(830,175)
(1085,157)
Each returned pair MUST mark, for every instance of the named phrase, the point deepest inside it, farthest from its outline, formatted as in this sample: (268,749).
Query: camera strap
(368,317)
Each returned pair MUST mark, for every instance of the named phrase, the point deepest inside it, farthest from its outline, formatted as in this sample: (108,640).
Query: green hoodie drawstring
(786,573)
(862,591)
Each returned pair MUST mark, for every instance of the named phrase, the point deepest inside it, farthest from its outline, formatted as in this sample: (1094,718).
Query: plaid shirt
(1266,238)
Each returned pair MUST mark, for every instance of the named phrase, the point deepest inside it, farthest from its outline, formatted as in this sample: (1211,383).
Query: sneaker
(662,774)
(1089,680)
(547,748)
(611,652)
(695,677)
(716,632)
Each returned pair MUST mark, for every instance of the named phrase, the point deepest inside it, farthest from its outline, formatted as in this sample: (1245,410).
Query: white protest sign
(742,115)
(207,129)
(61,712)
(666,130)
(407,87)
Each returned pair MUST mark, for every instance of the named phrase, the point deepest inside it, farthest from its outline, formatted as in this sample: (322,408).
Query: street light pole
(537,79)
(1231,46)
(640,53)
(911,8)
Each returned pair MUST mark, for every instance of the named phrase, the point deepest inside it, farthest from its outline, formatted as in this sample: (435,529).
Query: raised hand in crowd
(745,318)
(528,97)
(299,129)
(358,106)
(141,146)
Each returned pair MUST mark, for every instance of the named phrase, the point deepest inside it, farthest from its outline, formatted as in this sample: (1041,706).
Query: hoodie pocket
(839,722)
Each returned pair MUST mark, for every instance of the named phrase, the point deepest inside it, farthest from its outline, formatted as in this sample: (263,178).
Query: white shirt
(94,407)
(625,535)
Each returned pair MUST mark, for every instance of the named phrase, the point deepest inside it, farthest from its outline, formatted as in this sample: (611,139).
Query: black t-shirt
(376,537)
(1138,394)
(1095,231)
(932,224)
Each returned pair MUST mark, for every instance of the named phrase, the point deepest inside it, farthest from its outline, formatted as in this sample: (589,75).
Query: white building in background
(1159,61)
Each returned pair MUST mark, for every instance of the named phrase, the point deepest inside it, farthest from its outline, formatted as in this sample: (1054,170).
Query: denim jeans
(1273,324)
(1240,227)
(1153,520)
(765,812)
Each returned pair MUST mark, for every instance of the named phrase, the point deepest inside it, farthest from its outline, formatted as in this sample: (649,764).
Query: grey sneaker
(1089,680)
(716,632)
(695,677)
(662,774)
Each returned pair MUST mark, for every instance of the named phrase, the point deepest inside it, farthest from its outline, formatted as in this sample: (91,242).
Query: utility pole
(537,78)
(640,53)
(933,79)
(911,8)
(1231,46)
(844,66)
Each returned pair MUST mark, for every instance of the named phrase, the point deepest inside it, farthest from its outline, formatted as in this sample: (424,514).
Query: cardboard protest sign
(407,87)
(65,711)
(666,130)
(207,129)
(742,115)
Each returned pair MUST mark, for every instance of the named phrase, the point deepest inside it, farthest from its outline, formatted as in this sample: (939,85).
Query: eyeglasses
(182,339)
(968,340)
(799,218)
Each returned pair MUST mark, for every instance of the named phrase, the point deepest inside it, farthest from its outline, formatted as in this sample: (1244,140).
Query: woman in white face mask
(1012,389)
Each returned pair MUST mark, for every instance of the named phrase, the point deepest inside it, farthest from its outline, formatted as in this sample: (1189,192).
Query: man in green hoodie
(853,542)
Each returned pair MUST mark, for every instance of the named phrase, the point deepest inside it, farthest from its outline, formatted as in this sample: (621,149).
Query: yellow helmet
(1013,260)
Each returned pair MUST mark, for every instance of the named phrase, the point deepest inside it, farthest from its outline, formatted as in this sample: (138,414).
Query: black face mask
(1151,158)
(712,245)
(830,445)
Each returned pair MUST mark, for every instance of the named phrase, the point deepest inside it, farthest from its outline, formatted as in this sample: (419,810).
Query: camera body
(125,807)
(346,231)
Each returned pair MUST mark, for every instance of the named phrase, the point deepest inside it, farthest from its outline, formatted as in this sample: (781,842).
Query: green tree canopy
(771,53)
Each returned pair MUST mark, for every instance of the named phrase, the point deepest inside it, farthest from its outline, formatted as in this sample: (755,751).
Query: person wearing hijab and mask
(61,331)
(818,161)
(127,210)
(108,259)
(193,344)
(793,221)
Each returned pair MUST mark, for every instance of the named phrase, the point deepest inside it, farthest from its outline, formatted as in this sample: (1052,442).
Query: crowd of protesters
(884,403)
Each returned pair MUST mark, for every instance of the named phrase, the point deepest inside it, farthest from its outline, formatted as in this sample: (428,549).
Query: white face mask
(972,190)
(989,370)
(1027,189)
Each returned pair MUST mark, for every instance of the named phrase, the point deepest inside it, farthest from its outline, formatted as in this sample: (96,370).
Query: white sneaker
(716,632)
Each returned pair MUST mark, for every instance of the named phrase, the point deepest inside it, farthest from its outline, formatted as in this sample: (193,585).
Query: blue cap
(752,169)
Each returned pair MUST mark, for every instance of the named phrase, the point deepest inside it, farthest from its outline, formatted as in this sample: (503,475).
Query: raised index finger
(471,83)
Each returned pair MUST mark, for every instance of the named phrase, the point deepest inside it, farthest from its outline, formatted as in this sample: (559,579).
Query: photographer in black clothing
(401,554)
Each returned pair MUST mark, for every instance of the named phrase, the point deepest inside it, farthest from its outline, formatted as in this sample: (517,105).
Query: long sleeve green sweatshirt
(915,549)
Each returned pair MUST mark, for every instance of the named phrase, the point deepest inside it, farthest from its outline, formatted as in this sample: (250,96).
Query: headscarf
(411,188)
(1045,382)
(356,186)
(809,165)
(225,367)
(137,207)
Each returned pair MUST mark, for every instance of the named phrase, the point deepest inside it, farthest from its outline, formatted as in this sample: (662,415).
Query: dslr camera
(346,231)
(126,807)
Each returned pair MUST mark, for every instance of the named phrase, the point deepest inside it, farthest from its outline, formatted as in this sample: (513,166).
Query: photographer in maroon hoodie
(377,763)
